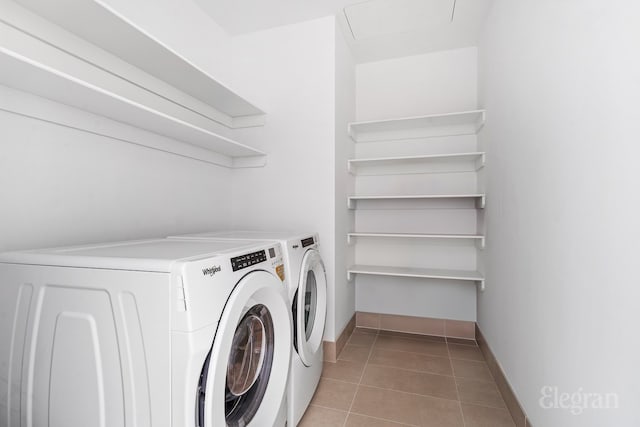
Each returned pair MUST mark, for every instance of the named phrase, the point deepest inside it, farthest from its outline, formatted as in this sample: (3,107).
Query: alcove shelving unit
(479,238)
(478,198)
(424,273)
(433,163)
(56,59)
(407,129)
(448,124)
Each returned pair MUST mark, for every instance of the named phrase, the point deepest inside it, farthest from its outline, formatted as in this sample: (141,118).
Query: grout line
(410,393)
(353,345)
(342,381)
(416,371)
(493,381)
(383,419)
(484,405)
(327,407)
(364,368)
(468,360)
(363,415)
(464,423)
(453,375)
(413,336)
(420,354)
(475,343)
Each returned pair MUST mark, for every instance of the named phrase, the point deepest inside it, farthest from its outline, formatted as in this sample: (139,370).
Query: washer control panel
(307,242)
(244,261)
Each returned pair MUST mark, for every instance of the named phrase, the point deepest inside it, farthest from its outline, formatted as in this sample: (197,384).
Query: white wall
(412,86)
(62,186)
(290,72)
(432,83)
(345,112)
(560,83)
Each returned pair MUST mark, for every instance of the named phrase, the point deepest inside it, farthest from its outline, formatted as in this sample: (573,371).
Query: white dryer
(307,290)
(145,333)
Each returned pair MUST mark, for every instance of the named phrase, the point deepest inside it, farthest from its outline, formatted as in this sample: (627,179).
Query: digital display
(272,252)
(307,242)
(244,261)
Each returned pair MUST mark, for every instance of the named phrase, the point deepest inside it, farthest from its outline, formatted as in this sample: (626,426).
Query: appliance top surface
(250,234)
(145,255)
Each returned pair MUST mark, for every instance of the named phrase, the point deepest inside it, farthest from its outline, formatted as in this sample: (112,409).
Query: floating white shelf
(426,273)
(480,198)
(477,237)
(449,124)
(456,162)
(98,23)
(30,65)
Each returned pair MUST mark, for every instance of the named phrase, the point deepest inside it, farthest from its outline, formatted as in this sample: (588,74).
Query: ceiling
(374,29)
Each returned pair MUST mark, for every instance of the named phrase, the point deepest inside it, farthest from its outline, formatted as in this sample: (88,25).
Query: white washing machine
(145,333)
(307,290)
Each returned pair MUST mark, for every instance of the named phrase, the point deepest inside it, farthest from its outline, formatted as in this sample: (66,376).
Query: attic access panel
(383,17)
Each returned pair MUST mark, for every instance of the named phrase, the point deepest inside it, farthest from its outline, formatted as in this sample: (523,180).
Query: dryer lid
(156,255)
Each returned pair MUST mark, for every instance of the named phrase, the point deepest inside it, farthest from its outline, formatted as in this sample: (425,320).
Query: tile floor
(387,379)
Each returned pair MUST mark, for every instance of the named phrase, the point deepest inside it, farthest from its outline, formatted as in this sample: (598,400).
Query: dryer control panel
(244,261)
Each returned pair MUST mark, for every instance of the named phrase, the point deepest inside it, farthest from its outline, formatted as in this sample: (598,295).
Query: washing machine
(307,291)
(145,333)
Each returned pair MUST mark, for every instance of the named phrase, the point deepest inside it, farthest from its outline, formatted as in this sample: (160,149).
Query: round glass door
(249,366)
(238,386)
(310,303)
(310,306)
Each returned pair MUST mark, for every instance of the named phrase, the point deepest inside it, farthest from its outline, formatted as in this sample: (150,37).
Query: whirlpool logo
(211,270)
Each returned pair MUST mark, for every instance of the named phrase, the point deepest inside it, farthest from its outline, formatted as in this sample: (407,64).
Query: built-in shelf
(425,273)
(31,65)
(475,237)
(435,163)
(98,23)
(449,124)
(479,198)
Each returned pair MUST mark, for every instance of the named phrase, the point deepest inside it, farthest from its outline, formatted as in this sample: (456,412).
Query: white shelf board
(480,198)
(32,66)
(477,237)
(454,162)
(448,124)
(426,273)
(98,23)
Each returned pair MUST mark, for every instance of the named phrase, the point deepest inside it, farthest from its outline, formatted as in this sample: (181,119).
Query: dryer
(146,333)
(307,291)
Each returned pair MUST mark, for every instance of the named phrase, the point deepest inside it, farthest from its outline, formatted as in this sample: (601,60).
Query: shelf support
(249,161)
(479,163)
(481,242)
(480,204)
(480,122)
(481,283)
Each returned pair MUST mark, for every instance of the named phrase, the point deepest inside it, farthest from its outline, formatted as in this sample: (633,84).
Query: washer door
(311,306)
(244,378)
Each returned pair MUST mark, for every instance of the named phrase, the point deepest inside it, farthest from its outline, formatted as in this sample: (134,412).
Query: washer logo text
(211,270)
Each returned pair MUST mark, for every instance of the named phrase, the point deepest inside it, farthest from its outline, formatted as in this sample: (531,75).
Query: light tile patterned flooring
(388,379)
